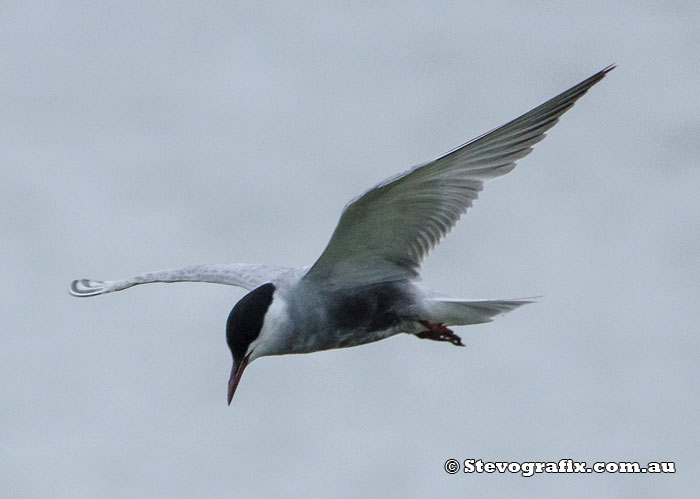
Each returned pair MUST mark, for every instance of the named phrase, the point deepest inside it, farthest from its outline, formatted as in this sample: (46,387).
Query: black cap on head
(243,327)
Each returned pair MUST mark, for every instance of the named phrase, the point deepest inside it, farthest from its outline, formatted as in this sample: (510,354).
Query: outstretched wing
(237,274)
(384,234)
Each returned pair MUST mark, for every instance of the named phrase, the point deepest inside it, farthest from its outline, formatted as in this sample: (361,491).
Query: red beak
(236,373)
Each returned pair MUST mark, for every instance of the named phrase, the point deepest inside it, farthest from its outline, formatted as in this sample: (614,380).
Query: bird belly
(347,319)
(329,339)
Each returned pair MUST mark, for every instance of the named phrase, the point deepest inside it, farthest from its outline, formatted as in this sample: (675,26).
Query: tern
(363,288)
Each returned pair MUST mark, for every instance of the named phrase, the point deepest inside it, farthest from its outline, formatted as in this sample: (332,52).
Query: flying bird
(363,288)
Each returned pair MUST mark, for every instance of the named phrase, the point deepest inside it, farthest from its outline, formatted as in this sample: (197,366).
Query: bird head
(243,327)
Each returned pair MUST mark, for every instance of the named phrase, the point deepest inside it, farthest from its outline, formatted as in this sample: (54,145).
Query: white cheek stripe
(273,323)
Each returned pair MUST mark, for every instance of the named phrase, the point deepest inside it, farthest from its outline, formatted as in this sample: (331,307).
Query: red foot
(438,332)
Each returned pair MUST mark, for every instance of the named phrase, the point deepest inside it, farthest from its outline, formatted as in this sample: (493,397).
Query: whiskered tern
(363,286)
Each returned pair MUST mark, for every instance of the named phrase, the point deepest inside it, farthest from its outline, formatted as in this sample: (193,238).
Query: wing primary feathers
(385,233)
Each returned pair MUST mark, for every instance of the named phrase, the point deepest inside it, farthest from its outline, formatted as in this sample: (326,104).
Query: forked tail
(454,312)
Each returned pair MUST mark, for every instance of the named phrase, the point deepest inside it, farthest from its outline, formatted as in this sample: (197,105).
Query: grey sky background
(145,135)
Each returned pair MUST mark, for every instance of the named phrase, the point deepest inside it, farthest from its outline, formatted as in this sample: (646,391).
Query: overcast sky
(147,135)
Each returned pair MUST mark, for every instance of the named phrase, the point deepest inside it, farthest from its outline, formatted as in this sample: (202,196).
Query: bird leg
(438,332)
